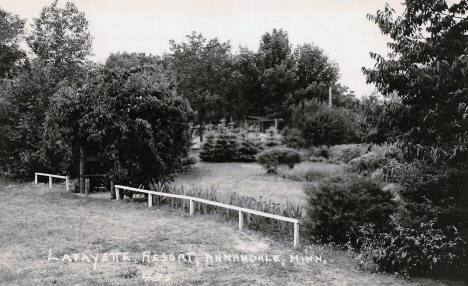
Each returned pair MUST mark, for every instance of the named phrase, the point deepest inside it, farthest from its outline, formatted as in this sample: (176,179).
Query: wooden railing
(50,179)
(194,199)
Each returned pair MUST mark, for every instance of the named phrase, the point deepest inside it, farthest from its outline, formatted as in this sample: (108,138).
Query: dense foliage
(272,158)
(132,117)
(339,206)
(426,68)
(267,82)
(223,145)
(314,123)
(11,33)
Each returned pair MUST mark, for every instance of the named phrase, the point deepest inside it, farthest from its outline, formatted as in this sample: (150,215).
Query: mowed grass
(250,179)
(34,219)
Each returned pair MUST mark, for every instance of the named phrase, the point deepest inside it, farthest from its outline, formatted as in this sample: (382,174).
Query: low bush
(321,151)
(378,157)
(309,172)
(424,238)
(340,205)
(349,154)
(421,250)
(270,159)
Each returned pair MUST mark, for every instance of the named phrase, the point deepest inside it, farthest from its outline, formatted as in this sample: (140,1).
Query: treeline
(268,82)
(58,106)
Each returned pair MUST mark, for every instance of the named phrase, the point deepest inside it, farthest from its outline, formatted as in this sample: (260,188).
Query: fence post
(296,235)
(67,188)
(117,193)
(192,207)
(150,200)
(241,220)
(35,178)
(50,182)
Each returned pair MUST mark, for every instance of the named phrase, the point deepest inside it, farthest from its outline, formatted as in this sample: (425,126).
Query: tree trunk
(82,168)
(201,130)
(119,167)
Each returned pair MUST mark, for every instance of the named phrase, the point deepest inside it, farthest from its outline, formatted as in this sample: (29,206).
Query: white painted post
(66,184)
(117,195)
(150,200)
(241,220)
(330,97)
(35,178)
(50,182)
(296,235)
(192,207)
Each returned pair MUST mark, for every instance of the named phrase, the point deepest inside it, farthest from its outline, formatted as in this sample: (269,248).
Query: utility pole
(329,97)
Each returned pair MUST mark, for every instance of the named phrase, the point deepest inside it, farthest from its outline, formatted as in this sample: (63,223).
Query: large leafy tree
(11,34)
(203,70)
(129,60)
(428,69)
(61,44)
(131,117)
(60,37)
(277,74)
(315,74)
(27,99)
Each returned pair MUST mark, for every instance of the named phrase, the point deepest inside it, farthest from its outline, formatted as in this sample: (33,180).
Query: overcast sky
(340,27)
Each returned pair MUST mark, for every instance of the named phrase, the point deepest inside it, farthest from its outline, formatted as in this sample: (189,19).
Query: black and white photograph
(234,142)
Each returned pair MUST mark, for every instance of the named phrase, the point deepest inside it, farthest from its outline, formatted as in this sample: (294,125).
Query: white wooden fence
(50,179)
(194,199)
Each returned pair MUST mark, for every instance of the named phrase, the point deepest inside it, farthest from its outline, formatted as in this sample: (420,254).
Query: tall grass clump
(256,222)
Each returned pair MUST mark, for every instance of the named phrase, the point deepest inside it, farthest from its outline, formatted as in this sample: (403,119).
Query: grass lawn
(249,179)
(34,219)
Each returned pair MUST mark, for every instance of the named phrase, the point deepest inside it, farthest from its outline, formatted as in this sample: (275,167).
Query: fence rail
(50,179)
(195,199)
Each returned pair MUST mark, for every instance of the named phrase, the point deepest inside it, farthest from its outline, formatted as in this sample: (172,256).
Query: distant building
(262,123)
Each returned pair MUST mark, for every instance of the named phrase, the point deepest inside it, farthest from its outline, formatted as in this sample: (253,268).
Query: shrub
(272,139)
(339,206)
(424,238)
(247,149)
(317,124)
(431,194)
(322,151)
(306,172)
(422,250)
(292,137)
(377,158)
(349,154)
(270,159)
(225,146)
(208,148)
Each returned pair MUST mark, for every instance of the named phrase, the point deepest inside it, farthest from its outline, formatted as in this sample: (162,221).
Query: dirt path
(34,220)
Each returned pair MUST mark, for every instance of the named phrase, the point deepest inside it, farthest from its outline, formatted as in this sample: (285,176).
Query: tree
(277,76)
(60,37)
(27,99)
(133,117)
(317,124)
(203,71)
(427,68)
(243,87)
(11,33)
(129,60)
